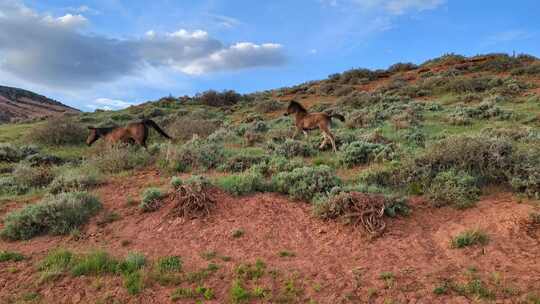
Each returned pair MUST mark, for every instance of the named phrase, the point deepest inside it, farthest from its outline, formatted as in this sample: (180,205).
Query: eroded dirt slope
(332,263)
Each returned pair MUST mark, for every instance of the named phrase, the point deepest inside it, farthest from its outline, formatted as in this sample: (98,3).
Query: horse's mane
(297,106)
(104,131)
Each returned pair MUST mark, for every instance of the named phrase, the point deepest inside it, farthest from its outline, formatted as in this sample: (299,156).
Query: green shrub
(469,238)
(453,188)
(306,182)
(75,179)
(53,215)
(196,154)
(380,176)
(276,164)
(360,152)
(12,154)
(532,69)
(269,105)
(485,110)
(176,182)
(58,131)
(6,256)
(184,128)
(292,148)
(218,99)
(151,199)
(242,161)
(486,159)
(32,177)
(525,175)
(118,158)
(243,183)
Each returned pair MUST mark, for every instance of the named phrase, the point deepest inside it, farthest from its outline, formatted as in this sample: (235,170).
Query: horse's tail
(338,116)
(153,124)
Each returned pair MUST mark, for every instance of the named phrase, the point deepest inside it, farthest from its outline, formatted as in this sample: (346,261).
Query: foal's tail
(338,116)
(153,124)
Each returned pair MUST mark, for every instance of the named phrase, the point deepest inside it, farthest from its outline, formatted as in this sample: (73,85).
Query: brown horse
(305,121)
(134,132)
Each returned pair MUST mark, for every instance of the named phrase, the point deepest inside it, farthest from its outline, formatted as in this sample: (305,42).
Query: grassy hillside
(449,131)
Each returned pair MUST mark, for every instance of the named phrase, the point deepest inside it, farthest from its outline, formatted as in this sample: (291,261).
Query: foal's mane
(297,106)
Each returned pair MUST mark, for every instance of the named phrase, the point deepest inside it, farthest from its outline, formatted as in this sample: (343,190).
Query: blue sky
(110,53)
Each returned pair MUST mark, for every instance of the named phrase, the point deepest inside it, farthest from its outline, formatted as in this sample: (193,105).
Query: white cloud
(53,51)
(108,104)
(184,34)
(225,21)
(239,55)
(510,35)
(67,20)
(83,9)
(394,7)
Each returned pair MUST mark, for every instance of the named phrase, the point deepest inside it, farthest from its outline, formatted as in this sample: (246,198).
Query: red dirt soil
(345,263)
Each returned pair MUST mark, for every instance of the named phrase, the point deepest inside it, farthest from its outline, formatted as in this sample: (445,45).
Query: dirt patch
(342,262)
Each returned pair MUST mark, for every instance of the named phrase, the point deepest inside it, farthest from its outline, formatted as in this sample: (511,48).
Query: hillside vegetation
(447,132)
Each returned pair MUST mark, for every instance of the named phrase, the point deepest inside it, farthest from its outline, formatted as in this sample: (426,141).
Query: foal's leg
(333,141)
(305,133)
(295,133)
(324,142)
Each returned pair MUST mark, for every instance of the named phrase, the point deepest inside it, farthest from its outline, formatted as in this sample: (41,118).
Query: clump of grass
(238,293)
(108,217)
(55,264)
(169,264)
(7,256)
(238,233)
(151,199)
(286,254)
(133,262)
(53,215)
(251,271)
(190,293)
(94,263)
(469,238)
(202,274)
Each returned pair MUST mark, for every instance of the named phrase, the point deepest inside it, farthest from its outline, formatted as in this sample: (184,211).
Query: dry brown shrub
(359,209)
(192,200)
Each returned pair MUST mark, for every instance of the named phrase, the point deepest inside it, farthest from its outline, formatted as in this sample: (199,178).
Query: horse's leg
(326,131)
(305,133)
(141,141)
(324,142)
(333,141)
(295,133)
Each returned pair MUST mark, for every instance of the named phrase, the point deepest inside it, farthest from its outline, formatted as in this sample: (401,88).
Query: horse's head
(93,136)
(294,107)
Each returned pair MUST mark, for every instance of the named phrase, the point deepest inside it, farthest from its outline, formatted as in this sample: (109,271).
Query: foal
(305,121)
(134,132)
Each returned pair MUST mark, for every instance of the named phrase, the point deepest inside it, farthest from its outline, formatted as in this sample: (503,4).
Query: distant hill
(18,104)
